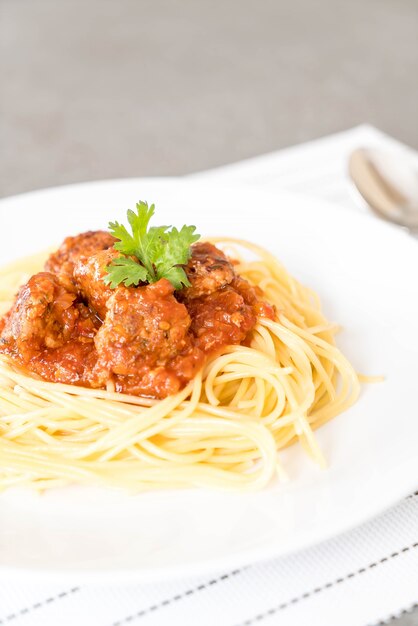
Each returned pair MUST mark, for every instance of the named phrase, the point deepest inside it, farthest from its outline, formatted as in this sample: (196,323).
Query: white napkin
(318,168)
(361,578)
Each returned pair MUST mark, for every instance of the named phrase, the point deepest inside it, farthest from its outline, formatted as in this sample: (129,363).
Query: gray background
(95,89)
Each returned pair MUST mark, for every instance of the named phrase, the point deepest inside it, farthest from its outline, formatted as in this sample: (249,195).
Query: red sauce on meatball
(68,326)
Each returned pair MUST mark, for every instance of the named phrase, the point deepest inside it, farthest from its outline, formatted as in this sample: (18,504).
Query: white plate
(366,273)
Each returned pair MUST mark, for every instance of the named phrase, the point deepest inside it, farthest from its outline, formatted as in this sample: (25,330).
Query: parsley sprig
(149,254)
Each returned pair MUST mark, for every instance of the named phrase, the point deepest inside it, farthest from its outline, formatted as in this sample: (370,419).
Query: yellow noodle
(223,431)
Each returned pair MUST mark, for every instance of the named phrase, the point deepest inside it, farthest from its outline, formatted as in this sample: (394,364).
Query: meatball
(144,332)
(221,318)
(252,296)
(43,316)
(88,277)
(77,248)
(208,269)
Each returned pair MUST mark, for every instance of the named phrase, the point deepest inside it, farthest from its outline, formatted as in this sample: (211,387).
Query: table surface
(98,89)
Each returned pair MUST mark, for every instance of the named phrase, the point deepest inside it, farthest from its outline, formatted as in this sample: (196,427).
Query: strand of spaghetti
(280,330)
(133,435)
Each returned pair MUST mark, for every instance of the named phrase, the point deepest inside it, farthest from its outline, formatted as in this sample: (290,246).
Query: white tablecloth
(361,578)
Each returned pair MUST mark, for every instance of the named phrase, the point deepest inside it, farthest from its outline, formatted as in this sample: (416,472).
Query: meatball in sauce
(66,325)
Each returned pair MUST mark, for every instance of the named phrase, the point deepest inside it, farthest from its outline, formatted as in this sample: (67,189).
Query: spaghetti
(223,430)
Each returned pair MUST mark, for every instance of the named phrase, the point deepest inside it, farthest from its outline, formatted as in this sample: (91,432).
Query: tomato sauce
(67,326)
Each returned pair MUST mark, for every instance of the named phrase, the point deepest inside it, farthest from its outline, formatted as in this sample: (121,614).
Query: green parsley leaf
(124,270)
(174,252)
(160,252)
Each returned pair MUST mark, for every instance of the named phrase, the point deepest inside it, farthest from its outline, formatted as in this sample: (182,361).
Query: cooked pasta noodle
(223,430)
